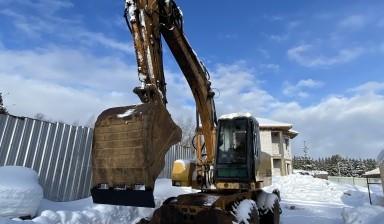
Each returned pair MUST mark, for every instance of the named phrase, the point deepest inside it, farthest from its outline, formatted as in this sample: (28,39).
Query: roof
(265,123)
(372,173)
(270,124)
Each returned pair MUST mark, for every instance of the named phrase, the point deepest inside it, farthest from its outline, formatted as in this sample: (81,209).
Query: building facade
(276,151)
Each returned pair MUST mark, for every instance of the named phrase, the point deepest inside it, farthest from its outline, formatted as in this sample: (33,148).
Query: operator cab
(237,149)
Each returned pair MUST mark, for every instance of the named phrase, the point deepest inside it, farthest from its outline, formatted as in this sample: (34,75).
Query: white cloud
(41,23)
(349,126)
(44,6)
(239,89)
(310,83)
(275,68)
(293,24)
(65,84)
(279,38)
(353,21)
(38,18)
(264,53)
(297,89)
(369,87)
(108,42)
(306,55)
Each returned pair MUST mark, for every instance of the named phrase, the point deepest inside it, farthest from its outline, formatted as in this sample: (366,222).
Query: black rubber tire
(271,217)
(254,216)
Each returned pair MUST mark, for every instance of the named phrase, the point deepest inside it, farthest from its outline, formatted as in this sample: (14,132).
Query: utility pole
(305,149)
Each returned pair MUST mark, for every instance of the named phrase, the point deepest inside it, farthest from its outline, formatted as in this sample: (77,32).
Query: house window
(275,137)
(286,143)
(276,163)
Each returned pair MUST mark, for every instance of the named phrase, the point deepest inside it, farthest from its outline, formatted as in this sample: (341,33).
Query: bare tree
(90,122)
(40,116)
(76,123)
(188,128)
(3,110)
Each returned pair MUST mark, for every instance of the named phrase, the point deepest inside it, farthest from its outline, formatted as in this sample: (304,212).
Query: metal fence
(60,154)
(359,181)
(175,152)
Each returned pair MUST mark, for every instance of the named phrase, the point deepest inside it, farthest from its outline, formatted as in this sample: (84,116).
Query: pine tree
(3,110)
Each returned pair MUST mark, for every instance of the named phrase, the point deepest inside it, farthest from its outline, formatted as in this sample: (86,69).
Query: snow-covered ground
(304,200)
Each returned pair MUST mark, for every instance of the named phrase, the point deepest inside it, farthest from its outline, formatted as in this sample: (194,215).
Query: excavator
(130,142)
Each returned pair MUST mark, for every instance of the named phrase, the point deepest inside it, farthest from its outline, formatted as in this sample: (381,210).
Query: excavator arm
(130,143)
(195,73)
(148,21)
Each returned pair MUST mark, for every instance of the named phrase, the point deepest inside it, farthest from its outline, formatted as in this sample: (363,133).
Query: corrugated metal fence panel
(58,152)
(175,152)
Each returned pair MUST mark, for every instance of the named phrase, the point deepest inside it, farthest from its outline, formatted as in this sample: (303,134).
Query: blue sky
(317,65)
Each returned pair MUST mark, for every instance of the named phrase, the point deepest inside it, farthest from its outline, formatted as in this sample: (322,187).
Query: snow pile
(84,211)
(96,214)
(311,172)
(20,193)
(305,187)
(367,214)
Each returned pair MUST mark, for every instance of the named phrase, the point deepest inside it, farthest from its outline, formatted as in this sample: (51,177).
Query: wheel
(253,214)
(168,200)
(271,216)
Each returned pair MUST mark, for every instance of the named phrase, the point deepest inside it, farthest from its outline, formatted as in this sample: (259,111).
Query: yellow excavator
(130,142)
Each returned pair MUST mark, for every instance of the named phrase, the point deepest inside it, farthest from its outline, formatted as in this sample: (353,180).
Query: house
(276,152)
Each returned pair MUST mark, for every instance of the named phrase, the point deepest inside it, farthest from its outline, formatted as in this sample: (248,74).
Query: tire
(271,216)
(253,216)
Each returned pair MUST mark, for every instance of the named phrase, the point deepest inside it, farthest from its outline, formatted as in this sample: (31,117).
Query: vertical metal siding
(58,152)
(175,152)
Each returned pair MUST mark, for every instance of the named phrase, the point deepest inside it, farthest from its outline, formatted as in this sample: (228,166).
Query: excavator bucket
(129,145)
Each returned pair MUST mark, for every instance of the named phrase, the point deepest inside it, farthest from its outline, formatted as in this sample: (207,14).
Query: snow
(266,201)
(243,209)
(311,172)
(372,172)
(364,214)
(235,115)
(270,123)
(126,113)
(20,193)
(304,199)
